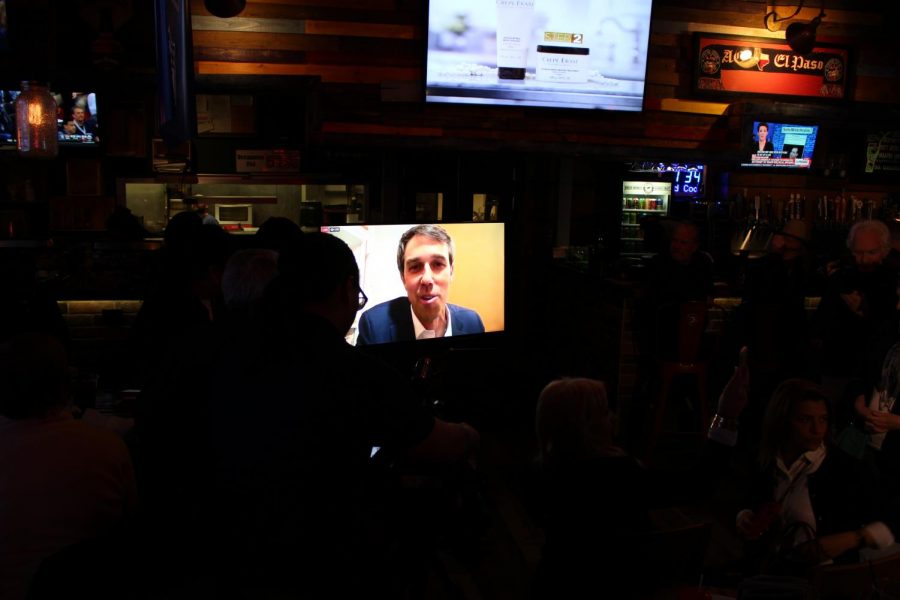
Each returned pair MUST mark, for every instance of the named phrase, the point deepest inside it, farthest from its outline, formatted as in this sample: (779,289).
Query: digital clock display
(688,180)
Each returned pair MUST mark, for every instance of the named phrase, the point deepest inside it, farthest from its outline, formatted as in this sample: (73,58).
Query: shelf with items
(644,210)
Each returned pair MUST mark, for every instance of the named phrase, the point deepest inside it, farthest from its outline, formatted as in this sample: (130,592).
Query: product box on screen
(556,53)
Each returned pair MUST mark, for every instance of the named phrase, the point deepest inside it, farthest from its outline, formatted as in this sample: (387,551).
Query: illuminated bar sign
(729,64)
(883,152)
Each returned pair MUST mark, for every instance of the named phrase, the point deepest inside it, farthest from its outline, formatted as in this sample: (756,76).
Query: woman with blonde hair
(573,421)
(594,496)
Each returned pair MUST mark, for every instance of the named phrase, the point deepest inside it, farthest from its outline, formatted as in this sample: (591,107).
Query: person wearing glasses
(425,262)
(298,414)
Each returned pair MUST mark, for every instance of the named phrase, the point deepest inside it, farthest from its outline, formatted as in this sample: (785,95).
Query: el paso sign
(727,64)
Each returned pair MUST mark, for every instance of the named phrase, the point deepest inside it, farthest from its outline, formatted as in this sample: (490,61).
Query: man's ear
(348,288)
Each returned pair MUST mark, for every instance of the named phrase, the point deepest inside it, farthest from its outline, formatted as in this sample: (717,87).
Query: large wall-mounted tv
(775,144)
(473,285)
(589,54)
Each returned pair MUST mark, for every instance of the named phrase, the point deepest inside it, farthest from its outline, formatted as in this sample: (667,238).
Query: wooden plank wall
(369,55)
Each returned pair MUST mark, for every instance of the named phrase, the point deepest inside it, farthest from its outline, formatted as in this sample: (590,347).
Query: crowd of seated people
(251,470)
(818,405)
(249,464)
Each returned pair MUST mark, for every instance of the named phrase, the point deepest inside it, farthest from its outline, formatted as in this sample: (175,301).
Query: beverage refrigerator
(642,200)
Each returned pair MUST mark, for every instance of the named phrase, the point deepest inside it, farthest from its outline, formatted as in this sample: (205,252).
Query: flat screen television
(8,117)
(589,54)
(474,282)
(76,118)
(778,145)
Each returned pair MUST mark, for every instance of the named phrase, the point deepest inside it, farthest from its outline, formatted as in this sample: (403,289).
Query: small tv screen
(779,145)
(411,292)
(589,54)
(77,118)
(8,117)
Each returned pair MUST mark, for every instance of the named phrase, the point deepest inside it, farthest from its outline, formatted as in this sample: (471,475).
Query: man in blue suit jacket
(425,261)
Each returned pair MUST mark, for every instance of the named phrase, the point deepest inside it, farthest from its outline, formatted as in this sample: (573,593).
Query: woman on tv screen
(762,143)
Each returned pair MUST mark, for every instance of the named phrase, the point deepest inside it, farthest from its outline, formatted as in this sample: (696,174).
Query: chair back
(691,325)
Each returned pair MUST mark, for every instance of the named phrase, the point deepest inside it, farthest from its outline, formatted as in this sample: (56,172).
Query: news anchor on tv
(761,145)
(425,261)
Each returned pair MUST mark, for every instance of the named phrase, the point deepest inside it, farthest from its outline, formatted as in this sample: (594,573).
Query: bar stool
(687,361)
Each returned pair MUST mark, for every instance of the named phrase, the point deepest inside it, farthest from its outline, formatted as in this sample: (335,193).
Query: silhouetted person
(277,233)
(683,274)
(856,321)
(772,316)
(123,226)
(174,340)
(187,293)
(296,414)
(25,305)
(594,496)
(61,481)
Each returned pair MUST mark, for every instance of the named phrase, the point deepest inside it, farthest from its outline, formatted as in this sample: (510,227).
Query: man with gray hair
(425,261)
(856,322)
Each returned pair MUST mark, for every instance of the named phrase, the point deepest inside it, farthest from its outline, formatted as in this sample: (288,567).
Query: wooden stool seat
(691,325)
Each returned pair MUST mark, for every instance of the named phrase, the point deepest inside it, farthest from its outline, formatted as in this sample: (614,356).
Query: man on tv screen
(425,261)
(80,125)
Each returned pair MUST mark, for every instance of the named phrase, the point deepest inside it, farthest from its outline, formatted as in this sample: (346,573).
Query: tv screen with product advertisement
(447,269)
(774,144)
(588,54)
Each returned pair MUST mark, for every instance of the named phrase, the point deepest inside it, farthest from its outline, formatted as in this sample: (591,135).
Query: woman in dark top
(762,143)
(811,503)
(593,496)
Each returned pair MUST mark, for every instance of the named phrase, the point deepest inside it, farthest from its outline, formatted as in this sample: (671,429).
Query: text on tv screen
(589,54)
(779,145)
